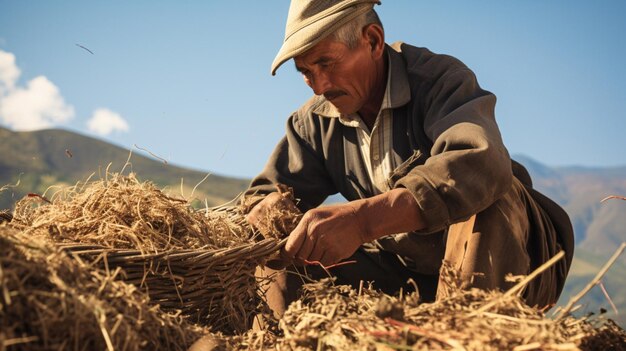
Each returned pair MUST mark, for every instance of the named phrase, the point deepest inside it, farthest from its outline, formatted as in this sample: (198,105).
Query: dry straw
(279,220)
(330,317)
(49,301)
(122,212)
(200,262)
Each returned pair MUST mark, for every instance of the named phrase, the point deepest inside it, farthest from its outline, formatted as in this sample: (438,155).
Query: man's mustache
(332,94)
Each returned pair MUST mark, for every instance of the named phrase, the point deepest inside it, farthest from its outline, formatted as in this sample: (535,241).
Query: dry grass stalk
(614,197)
(49,301)
(519,287)
(592,283)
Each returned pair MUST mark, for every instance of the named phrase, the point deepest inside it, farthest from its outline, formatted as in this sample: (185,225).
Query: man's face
(344,76)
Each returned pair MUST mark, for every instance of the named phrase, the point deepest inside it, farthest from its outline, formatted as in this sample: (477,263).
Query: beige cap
(310,21)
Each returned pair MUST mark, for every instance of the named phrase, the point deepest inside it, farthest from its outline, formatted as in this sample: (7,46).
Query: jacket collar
(397,92)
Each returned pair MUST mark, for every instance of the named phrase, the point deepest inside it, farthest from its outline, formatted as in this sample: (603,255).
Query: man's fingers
(306,248)
(295,240)
(258,211)
(309,239)
(253,216)
(317,252)
(267,215)
(327,259)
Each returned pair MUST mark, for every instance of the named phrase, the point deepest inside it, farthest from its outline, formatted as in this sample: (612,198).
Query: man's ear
(375,37)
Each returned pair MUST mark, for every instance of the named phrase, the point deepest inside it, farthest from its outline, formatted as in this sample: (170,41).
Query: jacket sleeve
(468,168)
(297,163)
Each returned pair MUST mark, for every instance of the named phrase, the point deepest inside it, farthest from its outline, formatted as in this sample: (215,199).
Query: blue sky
(190,81)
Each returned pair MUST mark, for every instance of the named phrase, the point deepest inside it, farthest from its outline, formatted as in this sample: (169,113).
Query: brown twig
(39,197)
(592,283)
(148,151)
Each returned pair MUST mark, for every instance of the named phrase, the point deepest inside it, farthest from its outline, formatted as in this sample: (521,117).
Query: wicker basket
(213,287)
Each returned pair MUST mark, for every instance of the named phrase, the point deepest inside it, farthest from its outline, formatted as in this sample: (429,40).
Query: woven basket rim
(79,249)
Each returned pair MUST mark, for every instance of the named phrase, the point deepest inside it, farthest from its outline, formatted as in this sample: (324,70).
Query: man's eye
(327,66)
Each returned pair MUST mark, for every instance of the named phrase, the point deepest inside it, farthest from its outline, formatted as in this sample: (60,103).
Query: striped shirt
(376,145)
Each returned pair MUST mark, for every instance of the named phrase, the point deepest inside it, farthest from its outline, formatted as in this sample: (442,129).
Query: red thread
(331,266)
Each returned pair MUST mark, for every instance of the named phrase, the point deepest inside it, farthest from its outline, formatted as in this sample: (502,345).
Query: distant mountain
(43,158)
(599,227)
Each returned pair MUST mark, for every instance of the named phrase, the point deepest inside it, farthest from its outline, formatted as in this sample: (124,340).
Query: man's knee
(513,236)
(491,244)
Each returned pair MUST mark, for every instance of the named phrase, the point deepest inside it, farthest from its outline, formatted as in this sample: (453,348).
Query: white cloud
(40,105)
(105,121)
(37,105)
(9,72)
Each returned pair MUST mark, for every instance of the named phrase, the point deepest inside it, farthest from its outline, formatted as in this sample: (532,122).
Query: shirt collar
(397,91)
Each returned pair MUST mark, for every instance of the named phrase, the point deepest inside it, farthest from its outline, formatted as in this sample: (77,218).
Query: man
(409,138)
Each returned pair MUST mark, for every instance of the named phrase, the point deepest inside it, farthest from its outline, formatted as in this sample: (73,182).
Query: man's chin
(343,109)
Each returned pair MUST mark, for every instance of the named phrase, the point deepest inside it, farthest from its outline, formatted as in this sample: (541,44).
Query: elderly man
(409,138)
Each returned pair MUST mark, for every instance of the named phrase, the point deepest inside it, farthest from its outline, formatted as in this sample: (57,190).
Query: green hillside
(43,158)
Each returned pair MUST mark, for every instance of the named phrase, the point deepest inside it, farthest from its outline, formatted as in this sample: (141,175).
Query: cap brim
(309,36)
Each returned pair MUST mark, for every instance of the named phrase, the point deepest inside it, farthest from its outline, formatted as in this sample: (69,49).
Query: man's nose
(320,84)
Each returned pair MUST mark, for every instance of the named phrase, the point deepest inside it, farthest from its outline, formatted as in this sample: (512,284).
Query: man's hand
(333,233)
(326,235)
(276,215)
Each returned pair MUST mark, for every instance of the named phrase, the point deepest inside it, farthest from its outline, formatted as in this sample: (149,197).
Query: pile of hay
(199,262)
(330,317)
(49,301)
(123,213)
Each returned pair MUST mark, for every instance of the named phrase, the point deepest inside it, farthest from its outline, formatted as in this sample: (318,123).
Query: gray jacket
(446,142)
